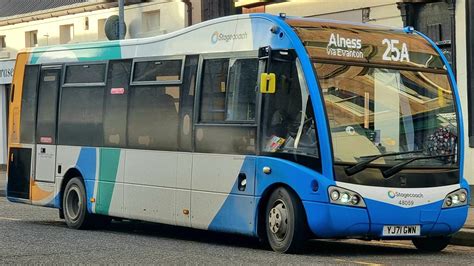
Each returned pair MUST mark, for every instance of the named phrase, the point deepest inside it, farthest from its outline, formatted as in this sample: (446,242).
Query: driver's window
(288,118)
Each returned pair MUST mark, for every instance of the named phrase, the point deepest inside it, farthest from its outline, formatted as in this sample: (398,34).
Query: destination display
(374,45)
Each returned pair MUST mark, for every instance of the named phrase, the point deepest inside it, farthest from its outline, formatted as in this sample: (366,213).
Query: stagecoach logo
(393,194)
(219,36)
(344,47)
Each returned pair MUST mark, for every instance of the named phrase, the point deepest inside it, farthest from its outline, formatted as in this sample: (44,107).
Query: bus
(276,127)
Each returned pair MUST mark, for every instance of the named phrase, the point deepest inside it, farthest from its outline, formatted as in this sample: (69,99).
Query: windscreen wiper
(363,164)
(398,167)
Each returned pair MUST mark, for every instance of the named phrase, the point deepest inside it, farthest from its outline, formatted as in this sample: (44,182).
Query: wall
(461,76)
(172,17)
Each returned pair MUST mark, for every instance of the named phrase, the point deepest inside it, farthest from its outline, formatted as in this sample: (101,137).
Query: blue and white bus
(280,128)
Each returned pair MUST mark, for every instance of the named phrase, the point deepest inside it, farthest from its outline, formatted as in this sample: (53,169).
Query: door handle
(242,182)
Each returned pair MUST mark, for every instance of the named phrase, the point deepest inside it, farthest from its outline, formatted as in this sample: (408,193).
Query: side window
(116,103)
(153,113)
(81,108)
(87,73)
(241,93)
(227,107)
(47,106)
(187,103)
(213,89)
(28,104)
(164,71)
(153,117)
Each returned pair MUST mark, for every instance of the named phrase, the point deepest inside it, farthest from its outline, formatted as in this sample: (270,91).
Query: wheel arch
(260,215)
(70,174)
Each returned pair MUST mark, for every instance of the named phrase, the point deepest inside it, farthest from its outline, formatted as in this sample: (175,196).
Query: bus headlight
(342,196)
(455,199)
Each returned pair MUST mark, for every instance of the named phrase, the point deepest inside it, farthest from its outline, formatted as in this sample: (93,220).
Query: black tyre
(431,244)
(75,205)
(285,222)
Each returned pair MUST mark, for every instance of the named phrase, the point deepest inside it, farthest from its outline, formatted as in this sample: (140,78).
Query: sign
(6,71)
(354,43)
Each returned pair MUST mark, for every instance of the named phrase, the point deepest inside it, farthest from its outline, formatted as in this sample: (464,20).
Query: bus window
(288,122)
(82,100)
(28,104)
(116,102)
(47,106)
(241,94)
(227,114)
(80,119)
(187,103)
(153,117)
(85,73)
(157,71)
(213,89)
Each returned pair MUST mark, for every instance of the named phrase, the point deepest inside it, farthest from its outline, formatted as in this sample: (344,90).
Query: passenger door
(46,123)
(223,169)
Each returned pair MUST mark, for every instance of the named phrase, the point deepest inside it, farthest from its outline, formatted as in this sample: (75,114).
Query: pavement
(464,237)
(3,183)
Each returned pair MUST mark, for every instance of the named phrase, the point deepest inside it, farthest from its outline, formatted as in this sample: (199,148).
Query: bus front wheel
(431,244)
(284,221)
(75,205)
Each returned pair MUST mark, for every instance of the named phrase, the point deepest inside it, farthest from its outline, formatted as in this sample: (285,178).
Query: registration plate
(401,230)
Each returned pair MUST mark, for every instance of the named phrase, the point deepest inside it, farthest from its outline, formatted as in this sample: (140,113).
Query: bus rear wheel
(431,244)
(284,222)
(75,205)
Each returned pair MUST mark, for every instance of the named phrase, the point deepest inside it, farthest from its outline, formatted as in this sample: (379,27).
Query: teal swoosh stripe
(109,161)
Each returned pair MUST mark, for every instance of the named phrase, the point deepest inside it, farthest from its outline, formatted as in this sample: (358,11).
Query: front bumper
(335,221)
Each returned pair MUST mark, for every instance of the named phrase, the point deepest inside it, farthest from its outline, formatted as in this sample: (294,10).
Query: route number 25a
(394,53)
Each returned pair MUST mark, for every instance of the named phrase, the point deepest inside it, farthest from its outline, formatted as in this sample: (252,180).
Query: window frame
(158,82)
(198,94)
(86,84)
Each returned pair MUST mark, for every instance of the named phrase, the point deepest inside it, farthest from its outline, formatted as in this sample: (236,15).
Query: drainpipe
(452,13)
(121,20)
(189,7)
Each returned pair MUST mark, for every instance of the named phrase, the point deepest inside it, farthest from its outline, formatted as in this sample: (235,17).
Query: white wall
(461,77)
(172,17)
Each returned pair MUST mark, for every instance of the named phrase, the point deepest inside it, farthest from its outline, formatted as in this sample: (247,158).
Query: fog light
(355,199)
(345,197)
(334,195)
(462,197)
(449,201)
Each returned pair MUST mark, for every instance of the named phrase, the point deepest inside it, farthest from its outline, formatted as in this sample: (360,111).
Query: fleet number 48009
(406,202)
